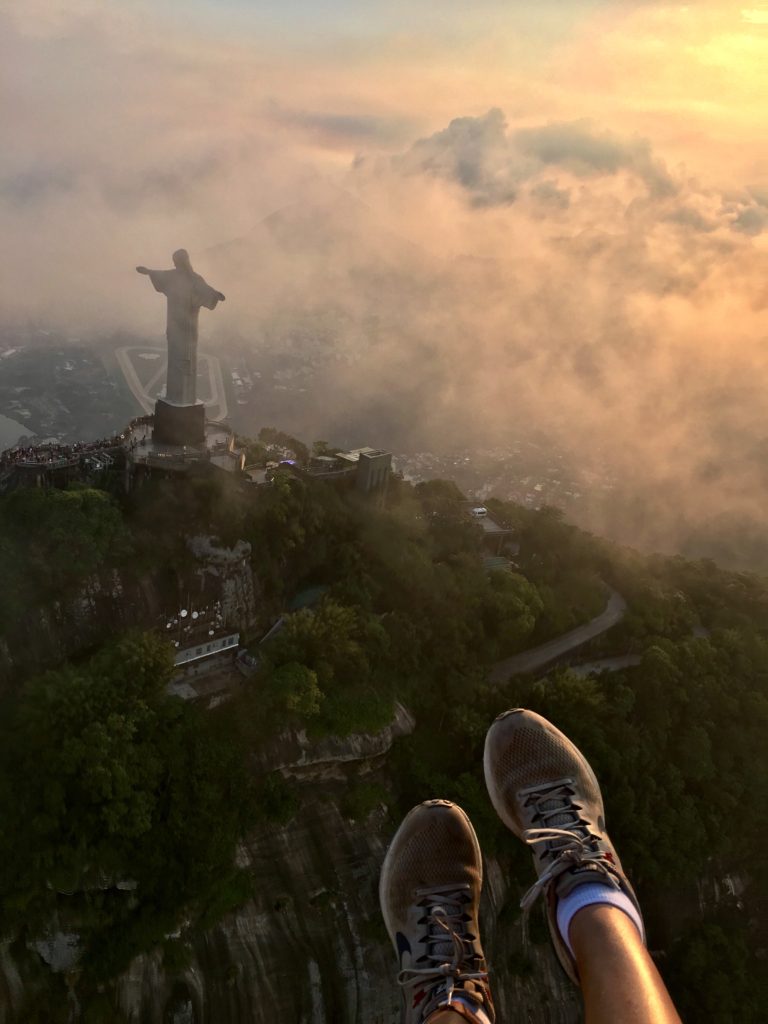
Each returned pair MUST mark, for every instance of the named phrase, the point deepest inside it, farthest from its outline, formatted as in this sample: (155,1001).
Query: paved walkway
(536,657)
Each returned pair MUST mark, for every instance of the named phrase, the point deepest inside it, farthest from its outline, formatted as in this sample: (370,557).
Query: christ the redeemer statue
(178,418)
(186,292)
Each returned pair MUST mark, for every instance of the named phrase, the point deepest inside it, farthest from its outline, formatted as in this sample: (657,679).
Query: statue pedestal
(179,424)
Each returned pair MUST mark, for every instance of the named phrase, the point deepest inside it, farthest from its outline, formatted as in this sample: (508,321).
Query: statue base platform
(179,424)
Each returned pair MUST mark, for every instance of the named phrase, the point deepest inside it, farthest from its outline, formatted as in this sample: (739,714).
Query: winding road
(615,664)
(535,657)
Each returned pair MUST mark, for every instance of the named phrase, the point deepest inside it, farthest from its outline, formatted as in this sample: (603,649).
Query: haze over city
(549,217)
(383,488)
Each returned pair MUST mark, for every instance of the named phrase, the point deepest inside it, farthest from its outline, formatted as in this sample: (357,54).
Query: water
(10,432)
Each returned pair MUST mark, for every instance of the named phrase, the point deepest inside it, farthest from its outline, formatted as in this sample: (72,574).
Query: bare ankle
(446,1016)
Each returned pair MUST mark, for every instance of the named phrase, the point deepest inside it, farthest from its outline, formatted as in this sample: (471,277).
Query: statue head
(181,260)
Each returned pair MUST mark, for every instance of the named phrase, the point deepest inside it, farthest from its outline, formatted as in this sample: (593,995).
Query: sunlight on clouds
(755,15)
(743,54)
(692,78)
(485,204)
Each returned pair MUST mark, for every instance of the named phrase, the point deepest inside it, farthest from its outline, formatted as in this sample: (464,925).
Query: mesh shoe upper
(429,893)
(544,790)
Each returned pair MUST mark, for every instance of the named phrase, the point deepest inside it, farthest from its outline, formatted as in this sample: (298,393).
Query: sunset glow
(606,161)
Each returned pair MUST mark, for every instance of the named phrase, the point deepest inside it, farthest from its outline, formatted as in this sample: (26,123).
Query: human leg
(619,981)
(544,790)
(430,893)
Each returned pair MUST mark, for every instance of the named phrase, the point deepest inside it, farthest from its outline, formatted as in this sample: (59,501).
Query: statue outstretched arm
(205,295)
(161,279)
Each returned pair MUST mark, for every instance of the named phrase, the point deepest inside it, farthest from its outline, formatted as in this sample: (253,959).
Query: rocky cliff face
(310,947)
(227,572)
(112,601)
(297,756)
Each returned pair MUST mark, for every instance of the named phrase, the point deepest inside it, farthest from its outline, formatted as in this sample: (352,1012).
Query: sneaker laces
(571,844)
(448,946)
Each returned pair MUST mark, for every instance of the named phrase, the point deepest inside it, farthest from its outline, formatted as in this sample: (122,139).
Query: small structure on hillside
(366,469)
(202,642)
(496,538)
(207,648)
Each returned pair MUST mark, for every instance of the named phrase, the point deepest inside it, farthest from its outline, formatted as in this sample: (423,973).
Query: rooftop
(353,455)
(490,525)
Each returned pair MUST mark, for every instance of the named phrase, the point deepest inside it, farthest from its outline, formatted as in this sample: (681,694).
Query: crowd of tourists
(53,453)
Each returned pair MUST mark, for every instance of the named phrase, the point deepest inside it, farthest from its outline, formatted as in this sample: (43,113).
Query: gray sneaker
(430,893)
(544,790)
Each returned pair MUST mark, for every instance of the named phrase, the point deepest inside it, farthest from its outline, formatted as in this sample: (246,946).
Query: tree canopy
(50,541)
(106,777)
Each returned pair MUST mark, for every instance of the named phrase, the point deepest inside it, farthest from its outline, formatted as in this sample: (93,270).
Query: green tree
(330,640)
(86,743)
(103,777)
(510,608)
(51,541)
(274,438)
(295,689)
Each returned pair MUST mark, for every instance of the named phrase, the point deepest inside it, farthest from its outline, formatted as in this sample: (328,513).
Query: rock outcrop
(295,755)
(309,947)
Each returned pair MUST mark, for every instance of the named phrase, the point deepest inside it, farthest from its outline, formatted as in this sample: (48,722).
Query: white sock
(587,895)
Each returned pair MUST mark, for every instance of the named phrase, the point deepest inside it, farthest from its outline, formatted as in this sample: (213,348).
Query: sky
(108,107)
(566,200)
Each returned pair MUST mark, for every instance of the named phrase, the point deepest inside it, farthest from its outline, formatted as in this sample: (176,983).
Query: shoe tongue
(443,945)
(566,819)
(582,875)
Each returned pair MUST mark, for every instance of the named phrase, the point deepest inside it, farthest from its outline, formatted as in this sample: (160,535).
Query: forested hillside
(123,806)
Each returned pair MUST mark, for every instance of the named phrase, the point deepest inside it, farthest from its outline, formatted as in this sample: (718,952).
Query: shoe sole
(498,801)
(386,867)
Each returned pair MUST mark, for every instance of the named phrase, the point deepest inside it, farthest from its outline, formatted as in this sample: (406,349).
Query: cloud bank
(531,256)
(491,163)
